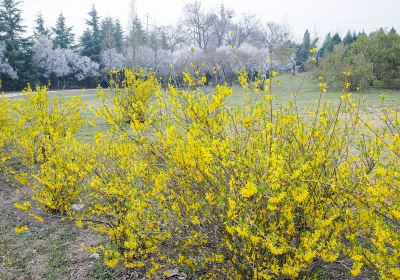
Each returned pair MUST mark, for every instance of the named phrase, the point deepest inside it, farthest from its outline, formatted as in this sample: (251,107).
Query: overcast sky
(319,16)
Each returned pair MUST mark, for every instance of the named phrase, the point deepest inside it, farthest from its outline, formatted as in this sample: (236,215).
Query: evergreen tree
(303,50)
(137,32)
(107,33)
(17,48)
(355,37)
(118,36)
(40,29)
(336,40)
(86,40)
(322,50)
(164,40)
(92,48)
(348,39)
(63,36)
(329,44)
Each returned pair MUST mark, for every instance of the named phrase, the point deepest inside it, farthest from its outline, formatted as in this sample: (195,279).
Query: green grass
(100,271)
(57,264)
(307,93)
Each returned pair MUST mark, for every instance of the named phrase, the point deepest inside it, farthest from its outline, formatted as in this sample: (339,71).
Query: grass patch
(100,271)
(57,264)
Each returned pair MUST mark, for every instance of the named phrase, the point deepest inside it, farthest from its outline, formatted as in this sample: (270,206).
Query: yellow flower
(21,229)
(313,50)
(111,262)
(249,190)
(26,206)
(219,258)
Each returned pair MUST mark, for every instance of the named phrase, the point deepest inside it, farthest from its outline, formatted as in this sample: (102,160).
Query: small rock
(94,256)
(77,207)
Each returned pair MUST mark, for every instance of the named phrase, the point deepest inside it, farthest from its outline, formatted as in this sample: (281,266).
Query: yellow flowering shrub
(131,93)
(5,130)
(43,142)
(255,191)
(42,122)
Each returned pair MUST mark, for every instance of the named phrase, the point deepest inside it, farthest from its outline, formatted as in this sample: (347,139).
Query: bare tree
(200,23)
(221,22)
(173,36)
(136,35)
(242,31)
(285,54)
(273,35)
(155,44)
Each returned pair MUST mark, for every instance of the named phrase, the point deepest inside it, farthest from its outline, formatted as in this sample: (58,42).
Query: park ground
(53,250)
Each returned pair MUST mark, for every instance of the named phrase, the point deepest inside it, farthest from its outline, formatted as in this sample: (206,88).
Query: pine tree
(92,48)
(63,36)
(349,39)
(86,40)
(164,40)
(336,40)
(107,33)
(322,51)
(303,50)
(17,48)
(40,29)
(118,36)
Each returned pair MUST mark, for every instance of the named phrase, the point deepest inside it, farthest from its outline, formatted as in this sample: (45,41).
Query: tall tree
(241,31)
(40,29)
(92,47)
(172,37)
(348,39)
(63,36)
(107,33)
(136,34)
(221,23)
(322,51)
(118,35)
(17,48)
(199,23)
(273,35)
(303,50)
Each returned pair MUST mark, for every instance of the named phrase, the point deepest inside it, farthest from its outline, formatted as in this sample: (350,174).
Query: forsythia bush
(247,192)
(41,140)
(131,93)
(5,130)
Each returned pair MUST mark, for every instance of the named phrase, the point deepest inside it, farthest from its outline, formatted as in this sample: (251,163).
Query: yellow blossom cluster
(180,179)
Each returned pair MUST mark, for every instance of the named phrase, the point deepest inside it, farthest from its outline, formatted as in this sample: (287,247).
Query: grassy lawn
(307,91)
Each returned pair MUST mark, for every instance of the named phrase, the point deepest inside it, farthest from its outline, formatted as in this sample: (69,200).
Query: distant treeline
(215,43)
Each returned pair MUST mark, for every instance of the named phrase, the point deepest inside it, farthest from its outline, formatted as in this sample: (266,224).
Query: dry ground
(50,250)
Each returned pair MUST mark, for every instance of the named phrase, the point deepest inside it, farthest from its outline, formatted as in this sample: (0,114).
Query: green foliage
(303,50)
(63,36)
(349,39)
(40,29)
(118,35)
(329,44)
(91,40)
(383,49)
(372,59)
(341,60)
(12,30)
